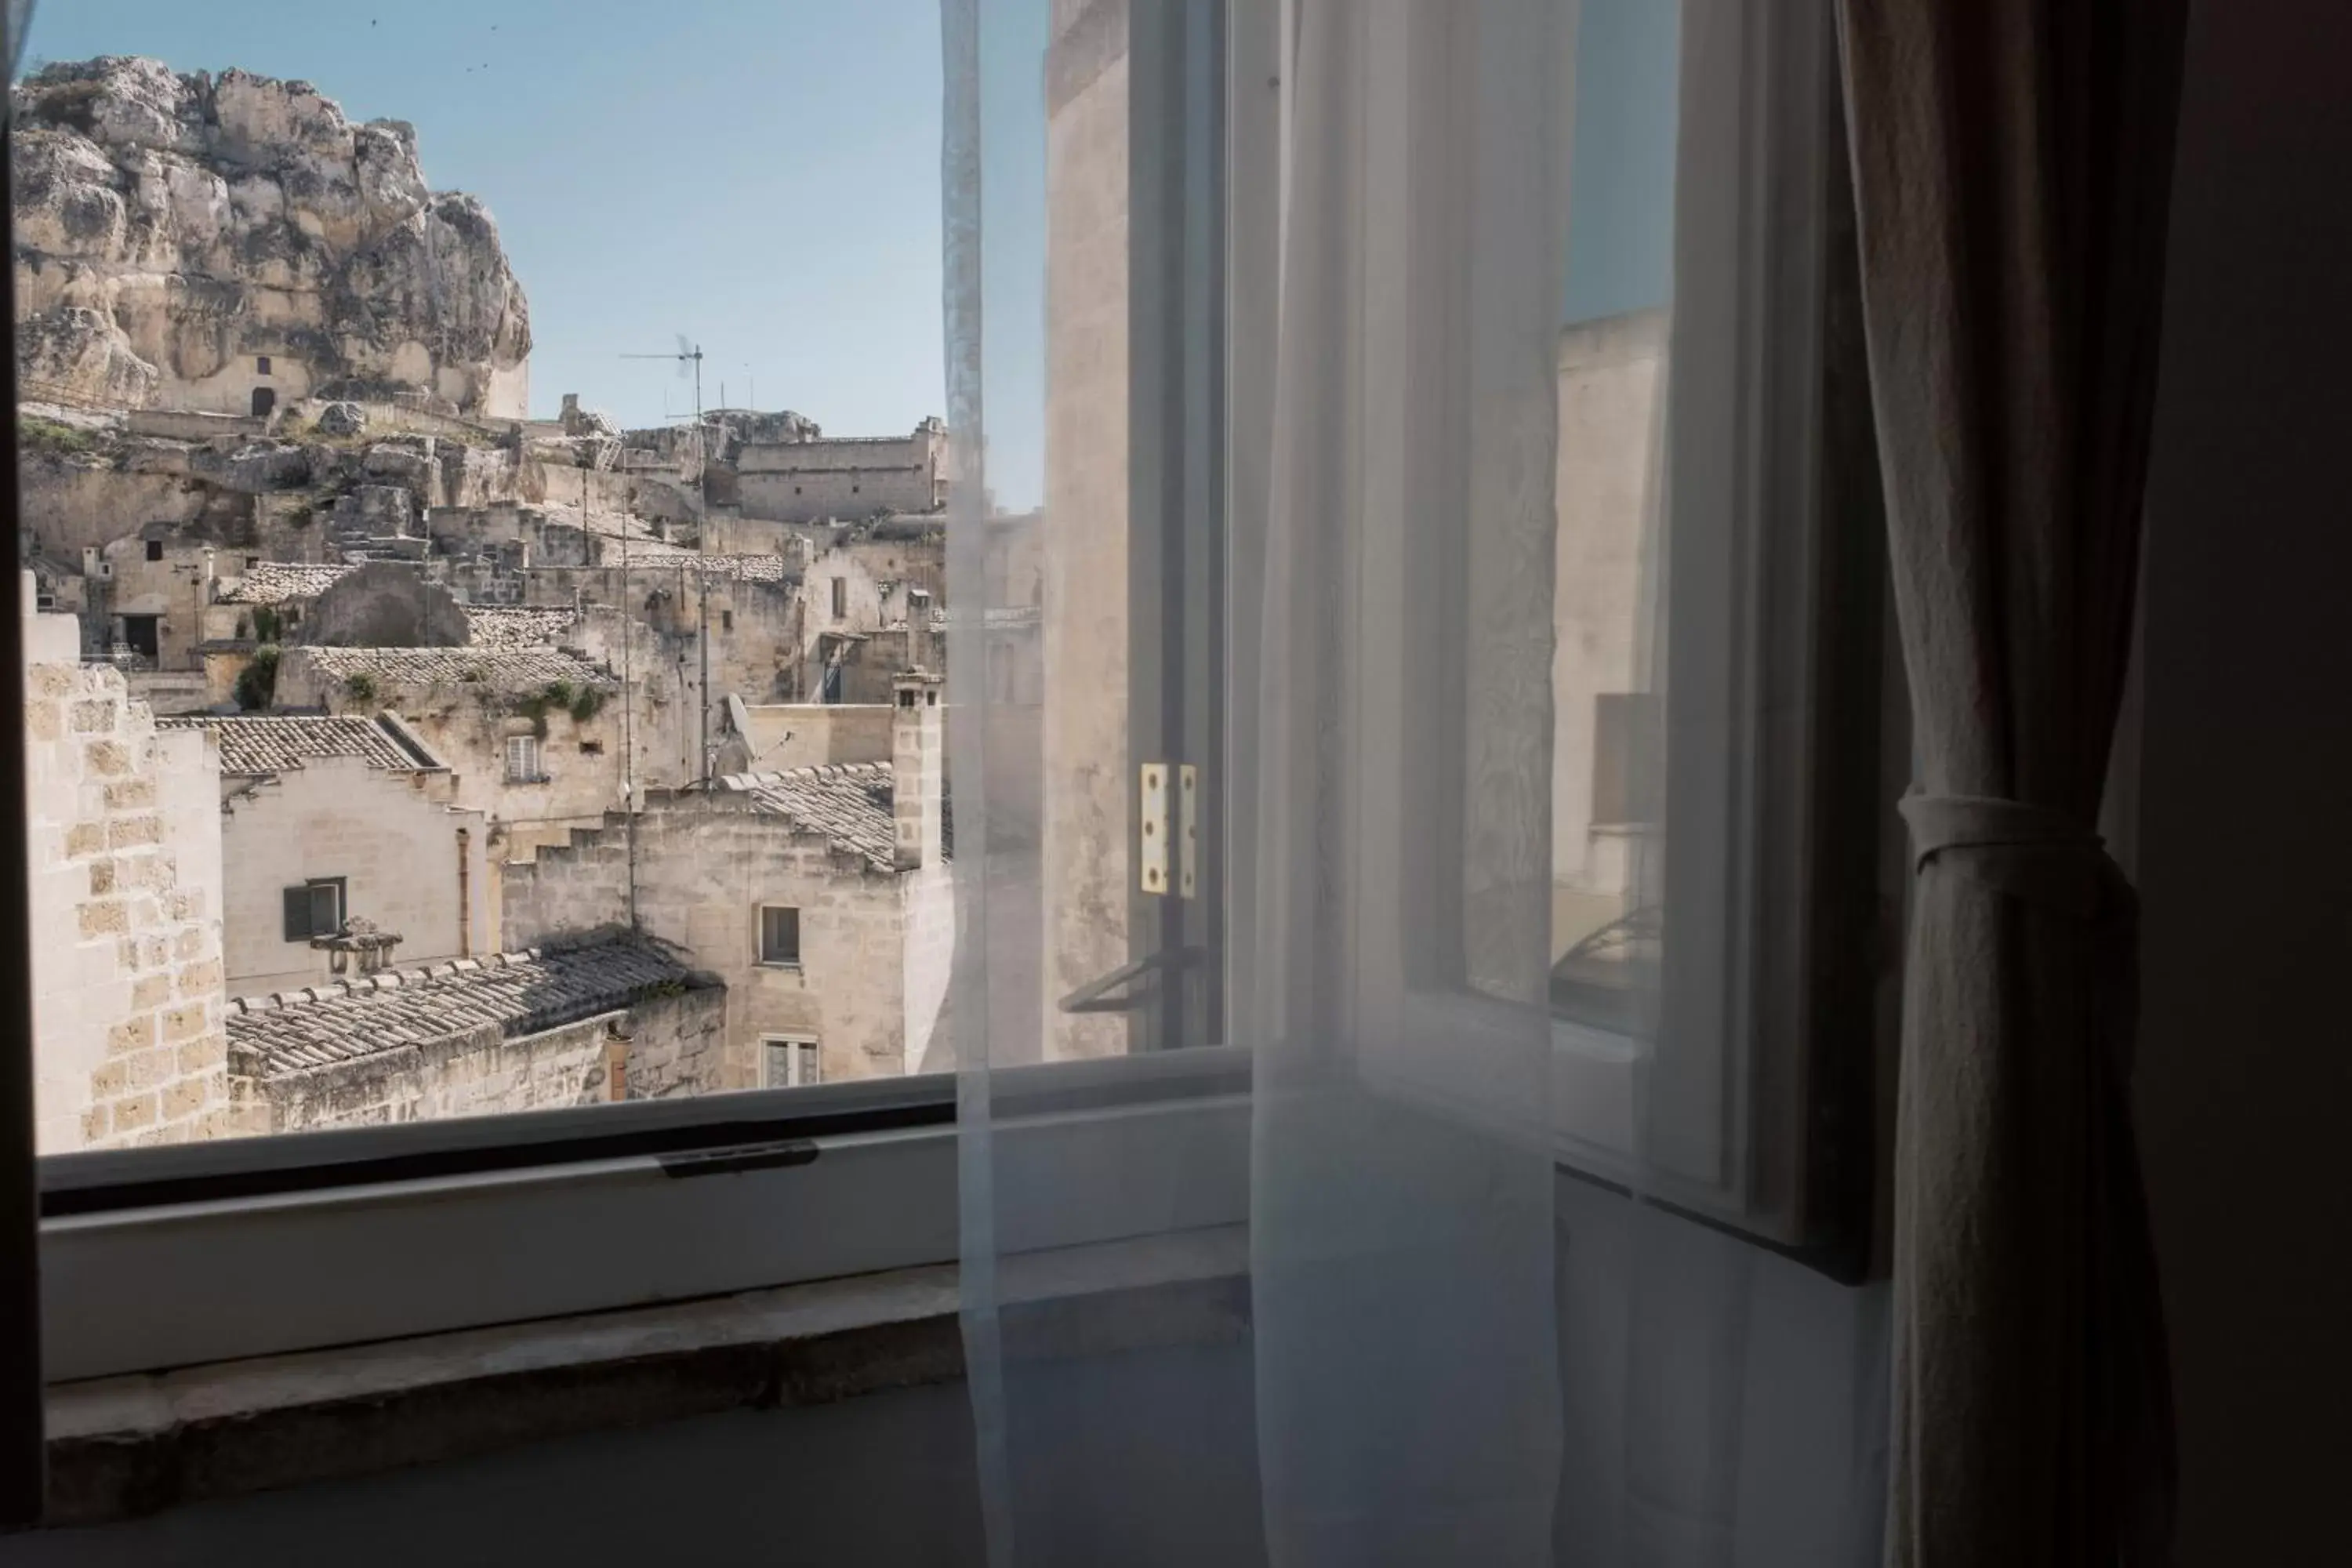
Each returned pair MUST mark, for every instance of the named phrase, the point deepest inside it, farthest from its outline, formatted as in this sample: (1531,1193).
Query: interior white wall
(2245,1070)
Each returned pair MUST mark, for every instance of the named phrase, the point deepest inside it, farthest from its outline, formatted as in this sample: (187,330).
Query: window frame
(537,752)
(310,887)
(303,1240)
(803,1058)
(1754,1110)
(761,937)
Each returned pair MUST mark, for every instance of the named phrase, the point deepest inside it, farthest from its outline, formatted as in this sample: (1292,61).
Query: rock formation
(190,240)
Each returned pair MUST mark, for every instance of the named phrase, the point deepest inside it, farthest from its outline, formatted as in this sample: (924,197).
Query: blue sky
(761,175)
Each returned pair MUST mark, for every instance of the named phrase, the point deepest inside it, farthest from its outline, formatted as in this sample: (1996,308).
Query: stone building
(147,597)
(607,1019)
(807,480)
(122,830)
(533,738)
(821,896)
(1087,784)
(325,819)
(1604,730)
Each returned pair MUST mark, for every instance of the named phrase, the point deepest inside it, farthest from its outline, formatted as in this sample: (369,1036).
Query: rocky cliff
(188,240)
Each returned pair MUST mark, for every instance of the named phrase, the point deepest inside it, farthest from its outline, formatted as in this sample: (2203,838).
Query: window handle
(1095,995)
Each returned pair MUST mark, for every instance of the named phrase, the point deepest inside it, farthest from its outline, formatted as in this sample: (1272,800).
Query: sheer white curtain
(1444,537)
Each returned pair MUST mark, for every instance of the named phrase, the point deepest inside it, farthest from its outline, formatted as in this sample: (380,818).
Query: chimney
(917,770)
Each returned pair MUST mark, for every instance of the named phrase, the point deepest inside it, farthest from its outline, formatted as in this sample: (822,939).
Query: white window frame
(1686,1117)
(803,1058)
(255,1268)
(528,748)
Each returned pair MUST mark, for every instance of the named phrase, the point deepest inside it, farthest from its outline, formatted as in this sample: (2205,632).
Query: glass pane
(566,595)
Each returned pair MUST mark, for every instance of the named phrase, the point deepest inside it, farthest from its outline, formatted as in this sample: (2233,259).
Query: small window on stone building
(780,934)
(726,620)
(314,909)
(592,748)
(154,550)
(841,598)
(789,1062)
(522,759)
(261,365)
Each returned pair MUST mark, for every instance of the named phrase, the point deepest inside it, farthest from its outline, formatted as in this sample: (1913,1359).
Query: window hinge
(1151,856)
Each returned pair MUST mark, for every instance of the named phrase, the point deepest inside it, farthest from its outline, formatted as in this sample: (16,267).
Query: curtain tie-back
(2029,852)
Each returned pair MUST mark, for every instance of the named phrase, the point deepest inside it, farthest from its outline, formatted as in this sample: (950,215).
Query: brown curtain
(2012,163)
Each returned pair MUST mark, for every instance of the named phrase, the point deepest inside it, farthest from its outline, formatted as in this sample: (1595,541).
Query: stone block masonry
(123,827)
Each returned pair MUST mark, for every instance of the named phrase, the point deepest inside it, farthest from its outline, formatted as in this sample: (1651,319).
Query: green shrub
(51,438)
(256,683)
(360,686)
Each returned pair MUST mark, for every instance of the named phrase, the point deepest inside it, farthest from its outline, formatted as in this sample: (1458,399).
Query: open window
(314,909)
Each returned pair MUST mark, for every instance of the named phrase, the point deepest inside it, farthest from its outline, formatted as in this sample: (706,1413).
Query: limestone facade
(1611,385)
(1087,807)
(124,831)
(808,479)
(869,880)
(404,857)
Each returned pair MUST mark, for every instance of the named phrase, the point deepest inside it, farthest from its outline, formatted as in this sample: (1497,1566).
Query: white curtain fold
(1451,1353)
(1399,746)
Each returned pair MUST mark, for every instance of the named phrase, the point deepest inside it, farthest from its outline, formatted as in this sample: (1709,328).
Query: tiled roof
(520,992)
(508,627)
(499,669)
(850,803)
(253,744)
(274,582)
(741,568)
(737,568)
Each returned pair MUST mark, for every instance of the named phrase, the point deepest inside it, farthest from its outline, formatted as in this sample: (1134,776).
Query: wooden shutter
(298,914)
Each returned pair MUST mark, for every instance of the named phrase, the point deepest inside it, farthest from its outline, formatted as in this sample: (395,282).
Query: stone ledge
(122,1447)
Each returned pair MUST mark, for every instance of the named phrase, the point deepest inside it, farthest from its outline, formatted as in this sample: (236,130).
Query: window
(261,365)
(154,550)
(780,934)
(141,634)
(1165,654)
(522,759)
(726,620)
(789,1062)
(314,909)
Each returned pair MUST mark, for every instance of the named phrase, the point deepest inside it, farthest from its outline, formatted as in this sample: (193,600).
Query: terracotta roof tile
(520,993)
(253,744)
(515,626)
(500,670)
(274,582)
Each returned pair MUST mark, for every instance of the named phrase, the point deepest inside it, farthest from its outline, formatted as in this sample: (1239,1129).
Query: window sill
(123,1446)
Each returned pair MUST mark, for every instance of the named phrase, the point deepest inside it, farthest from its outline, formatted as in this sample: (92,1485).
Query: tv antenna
(688,355)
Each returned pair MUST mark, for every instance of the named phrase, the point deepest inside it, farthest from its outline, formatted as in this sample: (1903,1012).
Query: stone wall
(779,736)
(467,725)
(391,838)
(1612,378)
(174,588)
(124,831)
(1088,786)
(706,865)
(675,1044)
(806,481)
